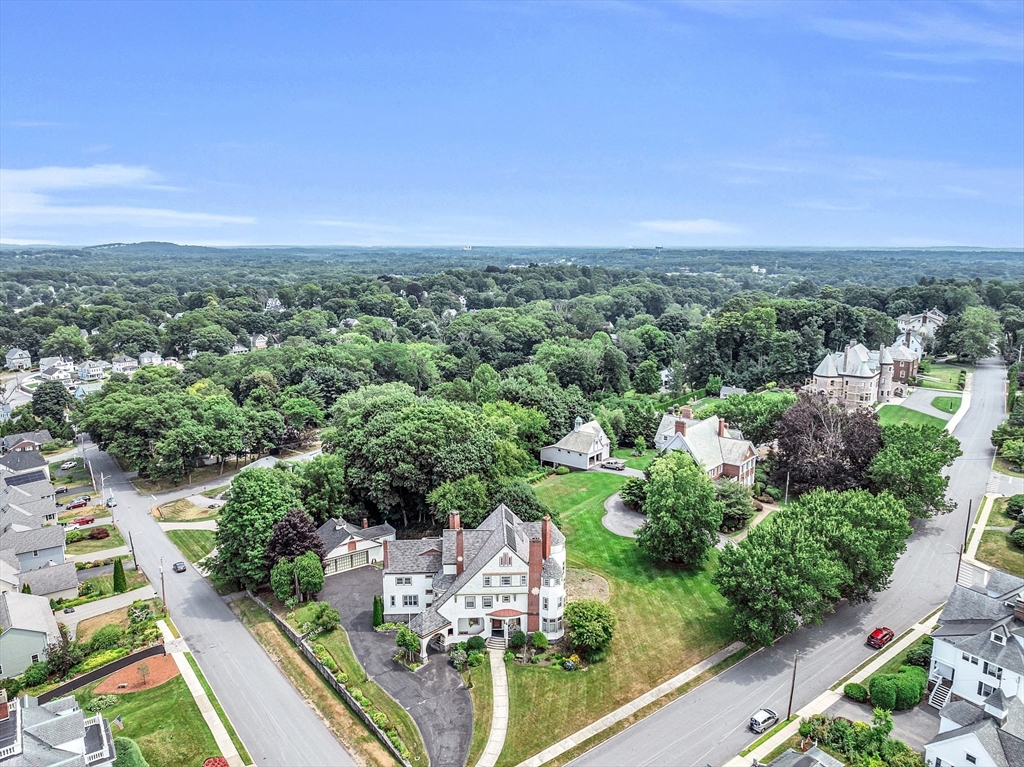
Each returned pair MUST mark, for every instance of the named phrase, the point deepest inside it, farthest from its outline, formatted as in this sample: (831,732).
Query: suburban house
(84,390)
(5,412)
(27,626)
(66,363)
(348,546)
(239,349)
(905,363)
(26,500)
(26,441)
(812,757)
(910,340)
(582,448)
(32,545)
(857,376)
(22,462)
(55,373)
(723,452)
(54,733)
(979,645)
(33,548)
(273,305)
(925,323)
(18,359)
(124,364)
(258,341)
(507,575)
(146,359)
(90,370)
(729,391)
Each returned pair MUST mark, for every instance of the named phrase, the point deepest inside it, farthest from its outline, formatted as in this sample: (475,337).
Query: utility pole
(970,515)
(134,555)
(792,687)
(959,561)
(786,502)
(163,585)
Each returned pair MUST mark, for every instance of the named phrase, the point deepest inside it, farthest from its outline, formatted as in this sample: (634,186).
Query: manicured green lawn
(667,621)
(942,376)
(213,492)
(96,512)
(105,583)
(997,550)
(165,721)
(998,516)
(1005,467)
(194,544)
(337,644)
(88,545)
(639,462)
(894,414)
(246,759)
(482,693)
(183,510)
(946,404)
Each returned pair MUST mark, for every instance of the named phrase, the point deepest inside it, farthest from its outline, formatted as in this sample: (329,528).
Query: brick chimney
(366,523)
(545,536)
(721,427)
(681,427)
(387,559)
(454,521)
(533,595)
(460,557)
(686,412)
(907,339)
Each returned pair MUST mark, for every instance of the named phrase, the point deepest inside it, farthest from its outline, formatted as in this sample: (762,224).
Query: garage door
(346,562)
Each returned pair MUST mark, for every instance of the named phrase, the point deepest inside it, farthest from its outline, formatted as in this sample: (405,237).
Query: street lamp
(163,585)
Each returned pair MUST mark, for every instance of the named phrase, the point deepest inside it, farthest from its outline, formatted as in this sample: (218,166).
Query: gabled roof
(124,358)
(422,555)
(29,613)
(703,442)
(1003,741)
(38,437)
(24,541)
(47,580)
(335,532)
(586,438)
(22,460)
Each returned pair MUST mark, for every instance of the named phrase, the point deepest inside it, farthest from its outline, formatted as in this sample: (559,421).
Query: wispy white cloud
(32,197)
(688,226)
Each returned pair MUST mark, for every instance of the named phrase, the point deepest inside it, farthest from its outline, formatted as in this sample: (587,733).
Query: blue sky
(617,123)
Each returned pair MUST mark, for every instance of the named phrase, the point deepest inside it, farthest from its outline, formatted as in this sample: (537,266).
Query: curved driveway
(708,726)
(277,726)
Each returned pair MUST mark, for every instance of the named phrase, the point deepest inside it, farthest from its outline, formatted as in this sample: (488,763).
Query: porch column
(423,649)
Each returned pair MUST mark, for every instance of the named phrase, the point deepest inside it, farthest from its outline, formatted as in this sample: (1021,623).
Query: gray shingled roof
(22,460)
(40,437)
(428,622)
(421,555)
(966,604)
(551,568)
(590,438)
(47,580)
(32,540)
(29,612)
(334,532)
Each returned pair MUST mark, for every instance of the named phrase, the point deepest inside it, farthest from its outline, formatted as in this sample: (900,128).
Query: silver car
(763,720)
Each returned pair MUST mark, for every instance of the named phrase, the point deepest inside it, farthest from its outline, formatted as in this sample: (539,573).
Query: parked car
(59,490)
(68,465)
(81,498)
(84,520)
(179,567)
(763,720)
(213,506)
(78,504)
(613,463)
(69,609)
(111,503)
(880,637)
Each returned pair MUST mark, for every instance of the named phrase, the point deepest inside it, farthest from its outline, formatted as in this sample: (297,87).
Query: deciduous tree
(910,467)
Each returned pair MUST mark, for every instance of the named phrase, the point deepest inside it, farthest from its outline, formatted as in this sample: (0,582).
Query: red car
(79,504)
(84,521)
(880,637)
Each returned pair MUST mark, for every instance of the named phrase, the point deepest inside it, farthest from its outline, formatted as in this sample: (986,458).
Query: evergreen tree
(120,581)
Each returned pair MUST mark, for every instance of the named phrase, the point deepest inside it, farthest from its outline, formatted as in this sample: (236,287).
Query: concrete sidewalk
(499,715)
(178,648)
(630,708)
(199,524)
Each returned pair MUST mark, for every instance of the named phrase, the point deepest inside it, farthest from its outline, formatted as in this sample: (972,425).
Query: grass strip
(195,545)
(246,759)
(346,726)
(777,728)
(482,693)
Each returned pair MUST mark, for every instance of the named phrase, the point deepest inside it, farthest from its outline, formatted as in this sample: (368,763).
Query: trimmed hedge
(856,692)
(882,689)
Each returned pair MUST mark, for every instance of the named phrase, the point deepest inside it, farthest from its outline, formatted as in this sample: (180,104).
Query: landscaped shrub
(378,610)
(540,642)
(106,638)
(458,657)
(326,617)
(518,640)
(857,692)
(562,470)
(73,536)
(475,659)
(128,753)
(36,674)
(101,702)
(342,677)
(591,624)
(475,644)
(380,719)
(911,682)
(509,656)
(633,493)
(920,656)
(99,533)
(1015,505)
(882,689)
(101,659)
(1017,538)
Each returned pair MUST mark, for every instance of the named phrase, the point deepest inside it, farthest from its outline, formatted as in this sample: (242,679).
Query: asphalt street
(277,726)
(709,725)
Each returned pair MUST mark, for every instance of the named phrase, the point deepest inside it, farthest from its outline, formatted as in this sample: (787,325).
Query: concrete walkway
(965,404)
(978,529)
(499,715)
(200,524)
(630,708)
(100,606)
(97,555)
(178,648)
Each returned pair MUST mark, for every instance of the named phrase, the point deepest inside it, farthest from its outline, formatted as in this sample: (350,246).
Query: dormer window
(998,638)
(505,560)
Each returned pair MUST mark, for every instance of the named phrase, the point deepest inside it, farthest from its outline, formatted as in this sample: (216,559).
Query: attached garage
(340,564)
(349,546)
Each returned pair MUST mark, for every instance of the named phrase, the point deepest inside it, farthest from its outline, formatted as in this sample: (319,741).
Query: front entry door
(497,628)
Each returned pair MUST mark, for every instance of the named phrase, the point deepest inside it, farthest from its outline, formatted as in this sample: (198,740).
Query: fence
(102,671)
(300,642)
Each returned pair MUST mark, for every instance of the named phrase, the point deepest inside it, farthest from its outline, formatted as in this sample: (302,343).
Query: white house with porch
(124,364)
(507,575)
(582,448)
(349,546)
(147,359)
(723,452)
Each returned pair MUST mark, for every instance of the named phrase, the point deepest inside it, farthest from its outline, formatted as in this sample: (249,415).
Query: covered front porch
(502,624)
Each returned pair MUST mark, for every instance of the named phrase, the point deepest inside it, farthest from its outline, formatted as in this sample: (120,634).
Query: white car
(763,720)
(68,465)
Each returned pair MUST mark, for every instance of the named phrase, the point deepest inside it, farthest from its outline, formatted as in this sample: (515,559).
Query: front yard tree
(591,625)
(50,400)
(910,466)
(120,581)
(683,515)
(647,379)
(282,580)
(822,444)
(258,500)
(321,483)
(407,641)
(292,536)
(466,496)
(737,505)
(309,574)
(756,415)
(65,341)
(972,338)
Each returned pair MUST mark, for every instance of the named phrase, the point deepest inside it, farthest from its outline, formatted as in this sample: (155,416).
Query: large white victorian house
(978,671)
(507,575)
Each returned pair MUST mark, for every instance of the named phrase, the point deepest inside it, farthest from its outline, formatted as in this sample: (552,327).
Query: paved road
(273,720)
(708,726)
(434,696)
